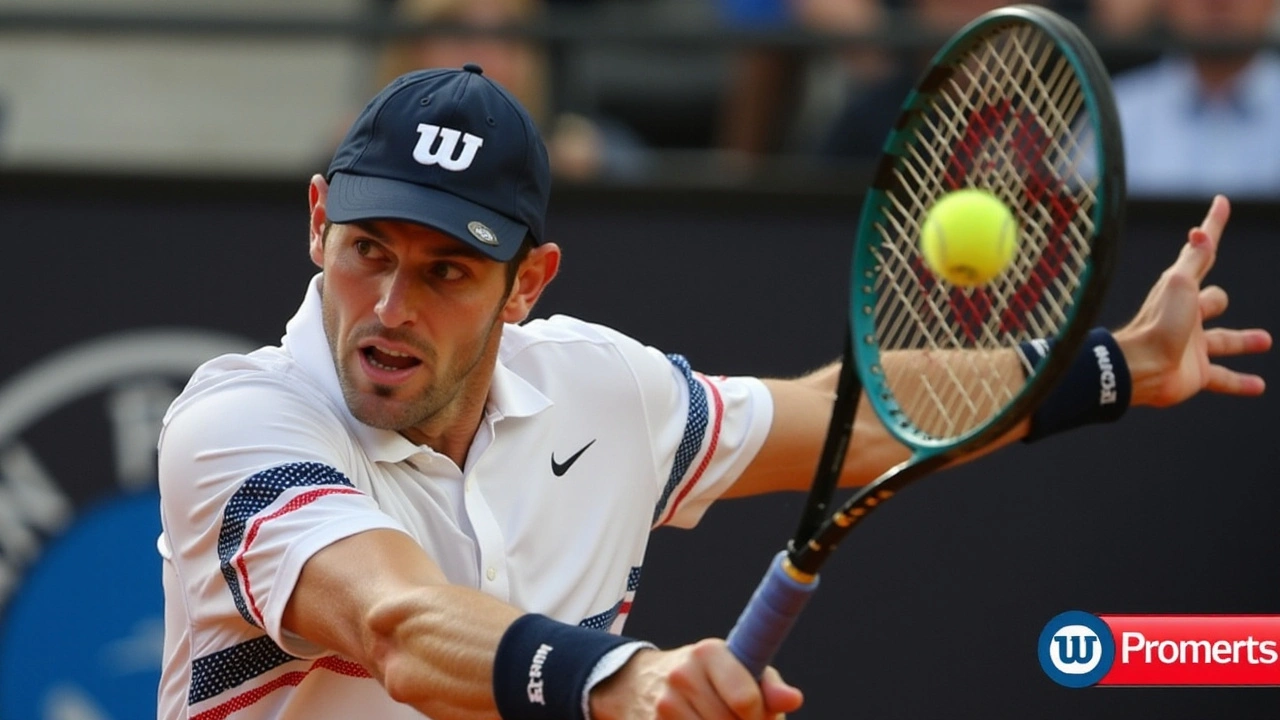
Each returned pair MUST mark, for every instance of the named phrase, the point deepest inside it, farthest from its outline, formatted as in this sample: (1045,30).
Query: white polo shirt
(589,440)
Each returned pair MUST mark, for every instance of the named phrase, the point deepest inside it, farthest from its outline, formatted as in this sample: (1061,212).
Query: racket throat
(804,560)
(797,574)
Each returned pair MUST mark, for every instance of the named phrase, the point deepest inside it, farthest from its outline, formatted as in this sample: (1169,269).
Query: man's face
(412,317)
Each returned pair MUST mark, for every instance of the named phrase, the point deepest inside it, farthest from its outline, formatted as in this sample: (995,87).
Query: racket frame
(792,576)
(814,540)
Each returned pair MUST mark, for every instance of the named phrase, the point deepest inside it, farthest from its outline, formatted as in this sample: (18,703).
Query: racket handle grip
(768,617)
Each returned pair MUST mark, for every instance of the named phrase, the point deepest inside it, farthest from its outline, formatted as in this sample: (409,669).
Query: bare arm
(1170,354)
(377,598)
(802,410)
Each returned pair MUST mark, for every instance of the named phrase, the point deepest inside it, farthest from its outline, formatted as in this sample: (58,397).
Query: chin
(374,407)
(375,413)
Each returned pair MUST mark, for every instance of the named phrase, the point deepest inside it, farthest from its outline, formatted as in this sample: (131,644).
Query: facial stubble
(430,402)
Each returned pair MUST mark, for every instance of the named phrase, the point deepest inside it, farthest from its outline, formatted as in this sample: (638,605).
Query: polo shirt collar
(512,396)
(509,394)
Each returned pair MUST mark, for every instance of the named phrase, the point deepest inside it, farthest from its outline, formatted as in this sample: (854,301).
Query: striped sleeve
(276,520)
(723,423)
(250,674)
(252,485)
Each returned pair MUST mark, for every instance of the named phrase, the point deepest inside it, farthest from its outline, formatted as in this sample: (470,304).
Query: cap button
(473,68)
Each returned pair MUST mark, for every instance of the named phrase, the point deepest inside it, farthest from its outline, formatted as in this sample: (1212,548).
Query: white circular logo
(482,232)
(1075,650)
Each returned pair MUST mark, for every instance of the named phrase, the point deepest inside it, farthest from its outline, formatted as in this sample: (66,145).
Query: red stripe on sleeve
(711,449)
(298,502)
(332,663)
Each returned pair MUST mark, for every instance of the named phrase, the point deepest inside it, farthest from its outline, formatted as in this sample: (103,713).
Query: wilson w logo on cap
(403,159)
(442,153)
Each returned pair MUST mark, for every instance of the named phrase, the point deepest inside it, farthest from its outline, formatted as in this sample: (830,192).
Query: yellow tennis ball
(969,237)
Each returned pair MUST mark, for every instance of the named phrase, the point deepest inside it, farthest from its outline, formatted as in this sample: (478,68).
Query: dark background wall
(931,609)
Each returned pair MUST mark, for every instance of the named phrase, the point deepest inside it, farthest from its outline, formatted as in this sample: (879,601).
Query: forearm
(802,408)
(955,393)
(949,393)
(378,599)
(801,415)
(434,650)
(942,393)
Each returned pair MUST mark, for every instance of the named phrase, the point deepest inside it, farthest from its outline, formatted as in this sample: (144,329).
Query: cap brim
(355,198)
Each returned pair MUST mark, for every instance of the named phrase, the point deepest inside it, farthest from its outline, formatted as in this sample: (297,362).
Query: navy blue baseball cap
(449,149)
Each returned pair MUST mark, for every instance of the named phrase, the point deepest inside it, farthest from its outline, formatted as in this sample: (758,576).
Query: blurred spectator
(1123,29)
(669,94)
(1120,19)
(1206,120)
(771,89)
(580,147)
(859,130)
(778,98)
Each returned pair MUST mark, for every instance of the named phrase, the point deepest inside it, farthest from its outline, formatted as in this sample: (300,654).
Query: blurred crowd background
(709,156)
(653,92)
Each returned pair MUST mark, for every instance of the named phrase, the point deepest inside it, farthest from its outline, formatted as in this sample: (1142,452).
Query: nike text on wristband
(1095,389)
(542,667)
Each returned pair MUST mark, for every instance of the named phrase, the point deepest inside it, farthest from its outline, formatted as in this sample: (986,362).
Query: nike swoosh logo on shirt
(559,469)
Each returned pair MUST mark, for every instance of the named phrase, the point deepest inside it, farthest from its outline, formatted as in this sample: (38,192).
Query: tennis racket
(1017,103)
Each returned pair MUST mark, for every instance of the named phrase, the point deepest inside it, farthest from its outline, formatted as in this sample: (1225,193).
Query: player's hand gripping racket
(1017,103)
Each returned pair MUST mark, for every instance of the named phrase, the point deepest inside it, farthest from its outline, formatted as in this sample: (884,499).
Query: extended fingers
(1215,220)
(1213,302)
(1196,258)
(1198,254)
(1229,382)
(1224,342)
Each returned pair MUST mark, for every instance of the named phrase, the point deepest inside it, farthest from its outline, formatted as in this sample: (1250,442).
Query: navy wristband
(1095,389)
(542,666)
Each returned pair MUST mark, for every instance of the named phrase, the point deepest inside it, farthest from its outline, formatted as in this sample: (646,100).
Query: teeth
(371,355)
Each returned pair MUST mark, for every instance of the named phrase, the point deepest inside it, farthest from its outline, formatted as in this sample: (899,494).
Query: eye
(368,249)
(447,271)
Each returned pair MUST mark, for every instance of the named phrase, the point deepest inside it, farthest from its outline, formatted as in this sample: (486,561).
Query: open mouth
(389,359)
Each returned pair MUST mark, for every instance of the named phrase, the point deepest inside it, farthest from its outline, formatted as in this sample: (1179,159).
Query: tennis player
(419,504)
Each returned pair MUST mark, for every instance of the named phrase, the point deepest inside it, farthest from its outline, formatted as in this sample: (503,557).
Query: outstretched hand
(1170,353)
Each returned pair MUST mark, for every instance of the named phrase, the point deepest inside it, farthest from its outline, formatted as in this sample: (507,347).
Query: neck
(451,430)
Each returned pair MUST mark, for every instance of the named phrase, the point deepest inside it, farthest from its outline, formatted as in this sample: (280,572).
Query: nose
(399,303)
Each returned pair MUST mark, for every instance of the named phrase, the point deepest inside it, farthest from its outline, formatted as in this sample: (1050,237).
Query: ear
(318,193)
(535,273)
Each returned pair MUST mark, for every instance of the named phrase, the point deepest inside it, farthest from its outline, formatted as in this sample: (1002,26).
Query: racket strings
(1062,98)
(924,326)
(1009,119)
